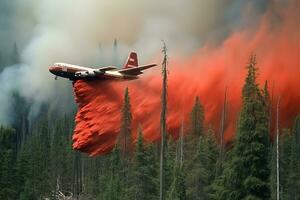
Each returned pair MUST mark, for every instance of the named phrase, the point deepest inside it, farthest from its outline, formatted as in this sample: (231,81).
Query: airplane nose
(52,69)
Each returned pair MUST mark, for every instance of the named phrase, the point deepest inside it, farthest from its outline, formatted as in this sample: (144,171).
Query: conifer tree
(60,157)
(273,188)
(177,190)
(293,169)
(247,174)
(125,138)
(152,173)
(139,169)
(8,184)
(44,145)
(25,173)
(203,171)
(114,185)
(144,176)
(195,131)
(170,163)
(284,156)
(197,119)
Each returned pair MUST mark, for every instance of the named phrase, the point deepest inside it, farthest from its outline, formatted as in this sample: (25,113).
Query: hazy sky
(48,31)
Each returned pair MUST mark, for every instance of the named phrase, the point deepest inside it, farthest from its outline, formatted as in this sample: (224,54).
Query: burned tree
(163,127)
(125,138)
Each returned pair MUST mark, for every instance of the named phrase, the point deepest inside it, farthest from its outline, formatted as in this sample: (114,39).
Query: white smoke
(50,31)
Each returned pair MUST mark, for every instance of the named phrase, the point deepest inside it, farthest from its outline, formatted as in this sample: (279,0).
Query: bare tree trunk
(181,144)
(222,129)
(277,150)
(163,124)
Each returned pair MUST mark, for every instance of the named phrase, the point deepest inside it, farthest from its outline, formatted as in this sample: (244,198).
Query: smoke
(205,73)
(48,31)
(6,19)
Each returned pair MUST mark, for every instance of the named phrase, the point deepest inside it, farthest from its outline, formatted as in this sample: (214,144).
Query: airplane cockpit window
(60,64)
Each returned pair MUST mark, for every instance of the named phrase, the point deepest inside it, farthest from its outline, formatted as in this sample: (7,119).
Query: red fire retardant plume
(205,74)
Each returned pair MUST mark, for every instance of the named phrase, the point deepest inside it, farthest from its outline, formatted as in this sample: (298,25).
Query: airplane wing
(107,68)
(135,70)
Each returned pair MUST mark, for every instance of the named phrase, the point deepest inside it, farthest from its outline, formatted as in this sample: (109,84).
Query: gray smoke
(49,31)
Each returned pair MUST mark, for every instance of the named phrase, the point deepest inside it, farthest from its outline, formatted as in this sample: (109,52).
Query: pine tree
(177,190)
(139,169)
(60,157)
(273,176)
(196,129)
(25,173)
(284,162)
(169,164)
(144,172)
(203,171)
(293,169)
(125,138)
(152,173)
(197,119)
(8,182)
(44,145)
(247,174)
(114,185)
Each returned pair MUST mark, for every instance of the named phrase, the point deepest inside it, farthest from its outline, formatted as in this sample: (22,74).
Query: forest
(37,160)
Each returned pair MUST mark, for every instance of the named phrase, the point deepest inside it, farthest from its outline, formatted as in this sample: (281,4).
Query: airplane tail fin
(132,61)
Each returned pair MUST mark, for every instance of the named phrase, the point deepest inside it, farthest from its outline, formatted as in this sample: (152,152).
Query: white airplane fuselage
(75,72)
(130,70)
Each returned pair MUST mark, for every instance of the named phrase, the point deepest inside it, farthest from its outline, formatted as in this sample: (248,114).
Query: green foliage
(114,185)
(289,164)
(144,174)
(197,119)
(125,138)
(203,170)
(8,182)
(247,174)
(177,190)
(293,169)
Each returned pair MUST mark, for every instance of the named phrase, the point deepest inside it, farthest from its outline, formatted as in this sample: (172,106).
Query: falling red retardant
(205,74)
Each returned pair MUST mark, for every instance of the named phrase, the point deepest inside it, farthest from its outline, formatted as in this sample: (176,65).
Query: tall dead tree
(181,144)
(223,118)
(125,137)
(163,129)
(277,149)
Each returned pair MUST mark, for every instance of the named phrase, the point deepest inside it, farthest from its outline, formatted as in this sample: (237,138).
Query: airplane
(130,70)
